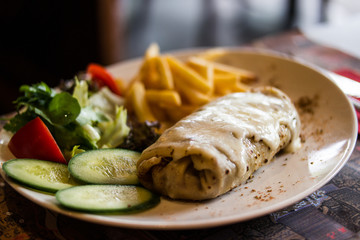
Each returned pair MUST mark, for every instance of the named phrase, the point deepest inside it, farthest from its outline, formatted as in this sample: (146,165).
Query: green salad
(79,118)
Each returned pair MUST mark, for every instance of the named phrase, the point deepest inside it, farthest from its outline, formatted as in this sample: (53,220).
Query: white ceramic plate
(330,133)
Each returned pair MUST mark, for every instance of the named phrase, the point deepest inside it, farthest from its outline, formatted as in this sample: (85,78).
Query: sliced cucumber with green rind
(105,166)
(107,198)
(39,174)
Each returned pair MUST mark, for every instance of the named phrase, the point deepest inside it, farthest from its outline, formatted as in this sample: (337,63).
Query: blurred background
(53,40)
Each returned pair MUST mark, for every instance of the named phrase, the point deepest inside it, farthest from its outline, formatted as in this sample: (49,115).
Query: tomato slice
(34,140)
(103,77)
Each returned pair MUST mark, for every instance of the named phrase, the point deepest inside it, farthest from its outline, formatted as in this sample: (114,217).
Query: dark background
(53,40)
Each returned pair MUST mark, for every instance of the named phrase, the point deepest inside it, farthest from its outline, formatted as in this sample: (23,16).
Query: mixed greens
(75,120)
(82,119)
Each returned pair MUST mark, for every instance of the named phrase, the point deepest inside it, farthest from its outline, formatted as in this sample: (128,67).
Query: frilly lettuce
(78,121)
(115,131)
(102,116)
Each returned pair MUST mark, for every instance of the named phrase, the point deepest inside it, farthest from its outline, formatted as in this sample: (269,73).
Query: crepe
(218,147)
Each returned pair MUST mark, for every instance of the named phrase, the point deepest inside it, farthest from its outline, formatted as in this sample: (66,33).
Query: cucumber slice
(39,174)
(105,166)
(107,198)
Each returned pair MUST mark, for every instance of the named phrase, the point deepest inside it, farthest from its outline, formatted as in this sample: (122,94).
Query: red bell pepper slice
(34,140)
(103,77)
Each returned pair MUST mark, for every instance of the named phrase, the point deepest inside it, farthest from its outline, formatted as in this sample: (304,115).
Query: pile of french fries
(166,89)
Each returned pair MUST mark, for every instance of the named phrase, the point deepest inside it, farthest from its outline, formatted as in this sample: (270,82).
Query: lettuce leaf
(114,132)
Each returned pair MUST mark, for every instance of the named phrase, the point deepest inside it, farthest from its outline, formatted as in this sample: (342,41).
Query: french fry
(244,75)
(184,75)
(199,65)
(137,101)
(159,112)
(240,87)
(175,114)
(165,77)
(148,73)
(192,96)
(152,51)
(210,76)
(121,84)
(136,78)
(206,70)
(225,79)
(213,54)
(223,91)
(163,97)
(225,83)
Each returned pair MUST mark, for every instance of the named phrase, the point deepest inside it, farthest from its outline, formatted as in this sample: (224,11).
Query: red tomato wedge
(103,77)
(34,140)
